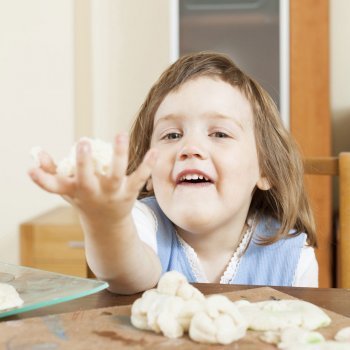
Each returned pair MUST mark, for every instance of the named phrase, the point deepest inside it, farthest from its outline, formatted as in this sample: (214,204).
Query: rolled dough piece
(9,298)
(273,315)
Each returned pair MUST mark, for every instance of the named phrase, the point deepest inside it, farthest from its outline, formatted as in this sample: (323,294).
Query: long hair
(279,158)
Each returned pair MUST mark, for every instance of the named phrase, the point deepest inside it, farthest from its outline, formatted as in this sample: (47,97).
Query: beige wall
(36,108)
(71,68)
(130,48)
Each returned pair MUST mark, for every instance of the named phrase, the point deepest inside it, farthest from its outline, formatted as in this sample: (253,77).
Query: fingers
(120,156)
(138,178)
(85,185)
(52,183)
(47,163)
(119,163)
(85,176)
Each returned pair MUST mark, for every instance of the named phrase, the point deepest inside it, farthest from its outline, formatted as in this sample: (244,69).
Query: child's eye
(219,134)
(172,136)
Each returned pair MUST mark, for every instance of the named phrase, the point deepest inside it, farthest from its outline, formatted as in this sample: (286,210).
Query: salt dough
(327,345)
(273,315)
(169,308)
(343,335)
(175,283)
(101,153)
(176,307)
(9,298)
(219,322)
(296,338)
(292,336)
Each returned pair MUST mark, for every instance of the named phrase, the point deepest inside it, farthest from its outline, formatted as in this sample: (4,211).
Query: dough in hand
(101,153)
(9,298)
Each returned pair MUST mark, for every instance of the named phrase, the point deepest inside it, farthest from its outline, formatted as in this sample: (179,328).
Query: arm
(114,251)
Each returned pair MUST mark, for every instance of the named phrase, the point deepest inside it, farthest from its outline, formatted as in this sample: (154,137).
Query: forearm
(105,201)
(116,255)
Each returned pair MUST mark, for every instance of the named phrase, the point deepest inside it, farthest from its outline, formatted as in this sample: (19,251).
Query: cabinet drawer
(58,244)
(54,242)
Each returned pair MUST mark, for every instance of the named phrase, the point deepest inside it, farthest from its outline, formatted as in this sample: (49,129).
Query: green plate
(39,288)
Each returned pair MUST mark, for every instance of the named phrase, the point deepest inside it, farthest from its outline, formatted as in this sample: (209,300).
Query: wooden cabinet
(310,120)
(54,242)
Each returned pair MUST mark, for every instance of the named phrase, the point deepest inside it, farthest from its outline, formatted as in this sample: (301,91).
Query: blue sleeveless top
(272,265)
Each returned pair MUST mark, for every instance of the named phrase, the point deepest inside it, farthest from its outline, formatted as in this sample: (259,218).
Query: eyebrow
(225,117)
(210,115)
(168,117)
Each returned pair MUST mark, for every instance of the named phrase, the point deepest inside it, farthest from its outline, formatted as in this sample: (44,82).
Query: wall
(36,89)
(129,43)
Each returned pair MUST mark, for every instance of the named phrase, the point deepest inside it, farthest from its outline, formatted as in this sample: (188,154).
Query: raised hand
(97,197)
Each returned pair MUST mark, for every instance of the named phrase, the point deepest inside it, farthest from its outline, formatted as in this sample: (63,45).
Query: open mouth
(193,179)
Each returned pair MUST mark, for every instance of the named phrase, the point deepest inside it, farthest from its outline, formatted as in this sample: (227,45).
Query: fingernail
(32,175)
(83,147)
(44,157)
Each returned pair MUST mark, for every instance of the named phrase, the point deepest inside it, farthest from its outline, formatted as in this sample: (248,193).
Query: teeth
(189,177)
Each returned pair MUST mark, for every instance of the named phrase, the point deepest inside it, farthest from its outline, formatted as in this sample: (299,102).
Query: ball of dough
(101,153)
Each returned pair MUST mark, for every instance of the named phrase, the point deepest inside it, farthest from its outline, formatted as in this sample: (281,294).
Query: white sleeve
(146,224)
(307,270)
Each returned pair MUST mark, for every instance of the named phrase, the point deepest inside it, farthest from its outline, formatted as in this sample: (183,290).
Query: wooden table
(334,299)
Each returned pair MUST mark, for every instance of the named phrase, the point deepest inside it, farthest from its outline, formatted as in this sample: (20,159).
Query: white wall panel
(36,89)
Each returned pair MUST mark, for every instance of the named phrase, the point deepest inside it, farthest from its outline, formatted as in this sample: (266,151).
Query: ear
(263,184)
(149,184)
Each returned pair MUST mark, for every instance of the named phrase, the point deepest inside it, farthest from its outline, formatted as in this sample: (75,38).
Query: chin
(194,221)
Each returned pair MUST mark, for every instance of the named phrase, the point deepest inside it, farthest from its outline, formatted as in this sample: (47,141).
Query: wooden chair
(338,166)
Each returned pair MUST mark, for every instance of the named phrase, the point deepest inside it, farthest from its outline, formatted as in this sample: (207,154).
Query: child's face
(207,167)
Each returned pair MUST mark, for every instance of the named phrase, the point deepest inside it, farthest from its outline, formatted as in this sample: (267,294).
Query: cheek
(238,172)
(161,172)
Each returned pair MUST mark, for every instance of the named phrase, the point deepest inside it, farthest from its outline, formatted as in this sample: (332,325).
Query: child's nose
(192,150)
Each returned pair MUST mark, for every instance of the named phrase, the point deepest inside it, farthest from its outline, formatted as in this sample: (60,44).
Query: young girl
(212,187)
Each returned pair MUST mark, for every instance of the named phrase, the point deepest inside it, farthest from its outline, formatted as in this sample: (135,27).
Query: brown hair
(279,158)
